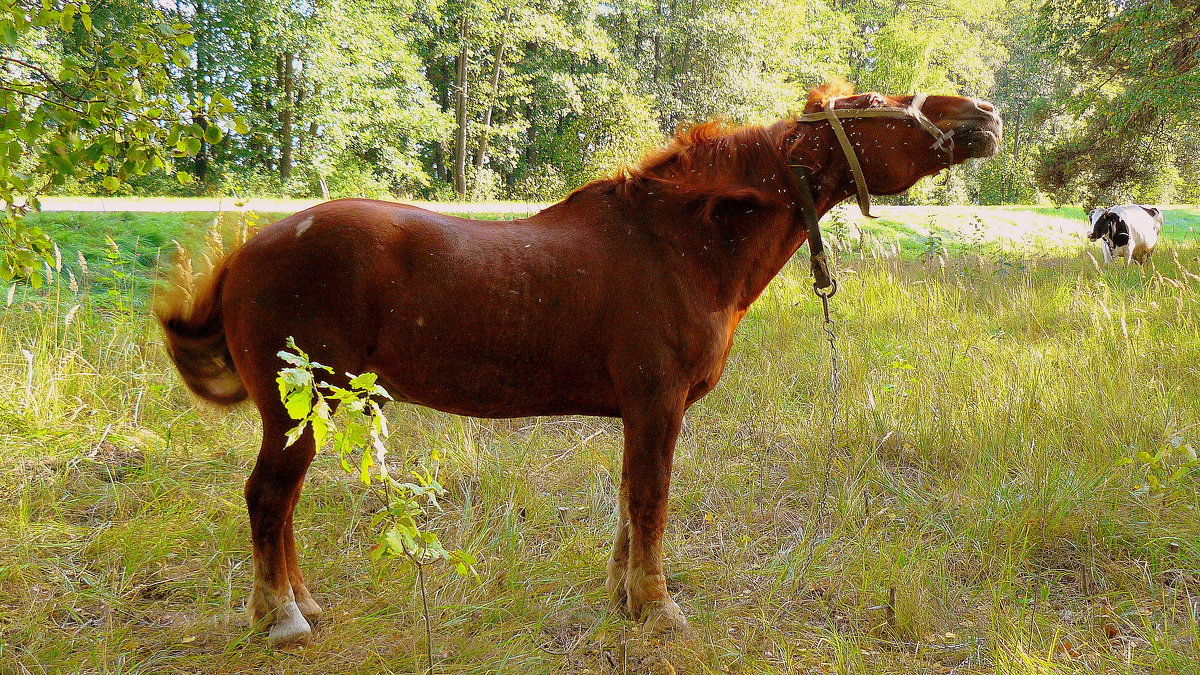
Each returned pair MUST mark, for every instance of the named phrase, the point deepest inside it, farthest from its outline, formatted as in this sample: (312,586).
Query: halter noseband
(943,141)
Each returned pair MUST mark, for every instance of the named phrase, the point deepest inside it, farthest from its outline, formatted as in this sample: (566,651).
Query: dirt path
(215,204)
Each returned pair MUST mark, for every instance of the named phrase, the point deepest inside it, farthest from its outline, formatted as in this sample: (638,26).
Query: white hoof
(289,627)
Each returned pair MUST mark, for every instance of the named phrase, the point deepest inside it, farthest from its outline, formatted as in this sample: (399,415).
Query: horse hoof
(617,595)
(663,616)
(310,609)
(289,628)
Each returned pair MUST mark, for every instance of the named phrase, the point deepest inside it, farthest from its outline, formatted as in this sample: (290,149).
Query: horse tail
(190,315)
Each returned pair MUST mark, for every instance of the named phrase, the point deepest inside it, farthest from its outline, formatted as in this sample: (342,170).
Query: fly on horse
(619,301)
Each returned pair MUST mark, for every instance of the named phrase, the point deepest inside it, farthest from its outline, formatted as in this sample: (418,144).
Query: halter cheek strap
(860,180)
(943,141)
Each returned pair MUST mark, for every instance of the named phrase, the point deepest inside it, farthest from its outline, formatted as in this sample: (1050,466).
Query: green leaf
(8,33)
(185,39)
(299,403)
(295,433)
(184,178)
(365,462)
(212,134)
(364,381)
(111,183)
(320,422)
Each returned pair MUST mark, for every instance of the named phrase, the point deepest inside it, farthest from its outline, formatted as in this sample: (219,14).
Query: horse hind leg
(618,561)
(271,493)
(304,599)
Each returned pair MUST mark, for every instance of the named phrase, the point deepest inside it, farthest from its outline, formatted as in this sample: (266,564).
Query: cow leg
(271,493)
(1108,256)
(651,429)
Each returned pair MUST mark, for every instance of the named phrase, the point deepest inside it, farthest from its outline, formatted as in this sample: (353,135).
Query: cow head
(1110,226)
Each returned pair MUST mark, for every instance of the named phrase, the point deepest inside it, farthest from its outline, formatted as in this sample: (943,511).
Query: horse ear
(817,98)
(730,205)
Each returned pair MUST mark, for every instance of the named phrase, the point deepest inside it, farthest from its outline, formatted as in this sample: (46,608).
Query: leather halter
(942,141)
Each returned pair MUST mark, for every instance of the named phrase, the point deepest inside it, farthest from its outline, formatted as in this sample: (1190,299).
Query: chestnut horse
(619,301)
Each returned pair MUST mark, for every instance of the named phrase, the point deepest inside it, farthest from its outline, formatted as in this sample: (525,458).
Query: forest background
(469,100)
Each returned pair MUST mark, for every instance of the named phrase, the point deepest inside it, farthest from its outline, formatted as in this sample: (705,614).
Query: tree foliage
(1137,79)
(78,101)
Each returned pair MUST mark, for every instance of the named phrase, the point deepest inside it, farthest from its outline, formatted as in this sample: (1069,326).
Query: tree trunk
(460,114)
(303,134)
(286,116)
(497,62)
(201,87)
(658,28)
(531,148)
(685,65)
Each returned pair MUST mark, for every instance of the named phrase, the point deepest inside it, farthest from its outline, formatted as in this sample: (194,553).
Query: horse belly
(494,359)
(484,383)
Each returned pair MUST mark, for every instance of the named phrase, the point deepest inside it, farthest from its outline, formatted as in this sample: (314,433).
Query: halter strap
(812,223)
(942,140)
(860,180)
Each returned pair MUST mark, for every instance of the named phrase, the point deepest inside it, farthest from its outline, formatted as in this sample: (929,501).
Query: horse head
(899,140)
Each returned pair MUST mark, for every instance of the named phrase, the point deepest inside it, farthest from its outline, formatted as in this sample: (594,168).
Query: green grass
(991,399)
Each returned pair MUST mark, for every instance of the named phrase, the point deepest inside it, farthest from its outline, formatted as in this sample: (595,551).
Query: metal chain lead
(835,390)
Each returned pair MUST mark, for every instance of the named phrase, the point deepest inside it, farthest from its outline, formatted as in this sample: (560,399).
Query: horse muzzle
(979,139)
(979,131)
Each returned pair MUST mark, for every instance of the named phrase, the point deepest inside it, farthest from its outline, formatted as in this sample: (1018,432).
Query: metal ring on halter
(826,294)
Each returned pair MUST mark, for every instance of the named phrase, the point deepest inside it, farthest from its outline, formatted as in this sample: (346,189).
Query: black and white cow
(1129,231)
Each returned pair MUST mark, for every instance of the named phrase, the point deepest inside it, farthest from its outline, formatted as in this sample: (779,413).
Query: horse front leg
(271,494)
(651,429)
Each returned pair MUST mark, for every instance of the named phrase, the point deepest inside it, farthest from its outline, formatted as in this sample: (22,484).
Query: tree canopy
(525,99)
(79,99)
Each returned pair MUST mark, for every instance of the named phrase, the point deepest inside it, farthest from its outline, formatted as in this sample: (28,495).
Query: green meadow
(1007,481)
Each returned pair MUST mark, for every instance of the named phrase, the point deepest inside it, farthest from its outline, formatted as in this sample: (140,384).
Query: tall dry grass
(985,508)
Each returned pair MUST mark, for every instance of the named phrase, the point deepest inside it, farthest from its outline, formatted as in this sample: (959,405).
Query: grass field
(1012,487)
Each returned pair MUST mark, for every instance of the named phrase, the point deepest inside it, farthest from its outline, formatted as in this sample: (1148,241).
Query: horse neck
(831,181)
(733,262)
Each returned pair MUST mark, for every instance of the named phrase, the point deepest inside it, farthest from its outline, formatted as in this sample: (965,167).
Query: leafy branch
(358,431)
(112,112)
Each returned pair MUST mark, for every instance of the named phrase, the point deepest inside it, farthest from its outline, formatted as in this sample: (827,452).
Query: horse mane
(697,155)
(818,97)
(698,160)
(694,152)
